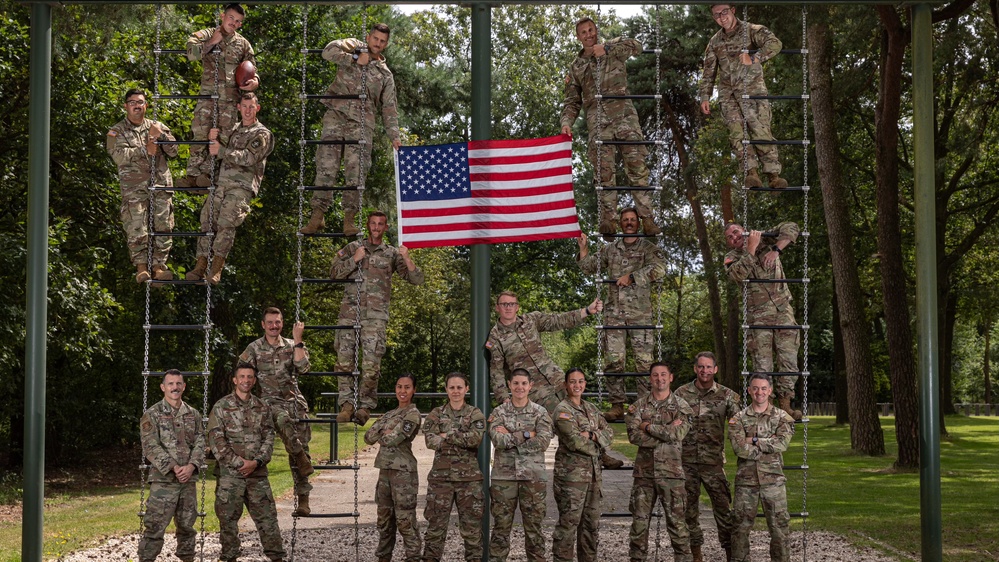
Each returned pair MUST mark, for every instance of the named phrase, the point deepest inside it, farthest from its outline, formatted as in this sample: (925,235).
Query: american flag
(485,192)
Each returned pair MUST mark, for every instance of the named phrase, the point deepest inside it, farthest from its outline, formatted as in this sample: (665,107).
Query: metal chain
(745,343)
(601,334)
(361,177)
(661,173)
(745,123)
(804,318)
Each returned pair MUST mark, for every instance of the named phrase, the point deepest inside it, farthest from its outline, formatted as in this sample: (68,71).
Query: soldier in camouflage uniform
(358,63)
(373,260)
(173,442)
(454,431)
(583,436)
(611,119)
(657,424)
(398,480)
(636,263)
(243,152)
(704,451)
(739,73)
(520,431)
(279,361)
(757,256)
(131,144)
(759,434)
(241,435)
(221,50)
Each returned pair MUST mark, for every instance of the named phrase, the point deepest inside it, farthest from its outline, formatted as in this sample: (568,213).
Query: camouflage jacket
(377,267)
(740,266)
(171,438)
(722,61)
(580,89)
(660,446)
(239,429)
(761,463)
(642,259)
(378,81)
(244,156)
(456,457)
(277,371)
(578,458)
(705,442)
(516,457)
(394,432)
(126,144)
(518,346)
(234,50)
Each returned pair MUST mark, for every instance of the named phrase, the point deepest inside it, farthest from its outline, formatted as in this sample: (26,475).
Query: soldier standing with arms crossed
(173,442)
(454,431)
(279,361)
(704,452)
(657,424)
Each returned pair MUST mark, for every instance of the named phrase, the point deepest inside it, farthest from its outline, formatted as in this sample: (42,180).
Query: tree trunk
(865,428)
(987,363)
(733,376)
(948,318)
(839,367)
(901,357)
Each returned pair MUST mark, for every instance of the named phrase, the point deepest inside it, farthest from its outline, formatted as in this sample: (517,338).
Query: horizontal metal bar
(621,514)
(629,188)
(620,374)
(651,51)
(796,514)
(795,467)
(182,373)
(805,142)
(183,142)
(636,235)
(194,190)
(159,327)
(336,466)
(169,51)
(775,327)
(630,327)
(331,188)
(327,515)
(328,235)
(178,282)
(311,51)
(332,96)
(782,51)
(804,188)
(331,374)
(327,142)
(323,421)
(803,280)
(777,373)
(185,96)
(628,97)
(783,97)
(630,142)
(333,327)
(327,281)
(182,234)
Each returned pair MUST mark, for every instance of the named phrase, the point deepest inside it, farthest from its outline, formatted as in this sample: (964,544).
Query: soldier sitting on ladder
(636,263)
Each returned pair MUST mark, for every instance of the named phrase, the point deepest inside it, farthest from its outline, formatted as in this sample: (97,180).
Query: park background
(861,348)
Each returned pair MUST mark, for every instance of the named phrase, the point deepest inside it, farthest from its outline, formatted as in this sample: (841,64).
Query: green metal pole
(37,308)
(926,284)
(481,130)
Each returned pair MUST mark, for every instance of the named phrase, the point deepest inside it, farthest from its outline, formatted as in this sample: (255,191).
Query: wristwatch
(300,344)
(527,435)
(355,56)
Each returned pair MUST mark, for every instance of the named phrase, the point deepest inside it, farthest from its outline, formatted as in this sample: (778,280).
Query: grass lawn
(865,500)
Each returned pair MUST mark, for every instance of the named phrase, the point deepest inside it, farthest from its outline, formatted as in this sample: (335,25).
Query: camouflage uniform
(769,305)
(618,120)
(455,478)
(578,479)
(658,471)
(630,305)
(721,62)
(398,480)
(243,157)
(519,477)
(171,438)
(239,430)
(230,52)
(377,267)
(704,458)
(518,346)
(277,373)
(343,120)
(760,477)
(126,144)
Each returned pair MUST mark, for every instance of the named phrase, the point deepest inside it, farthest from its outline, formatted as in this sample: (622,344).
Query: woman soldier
(454,431)
(583,436)
(398,481)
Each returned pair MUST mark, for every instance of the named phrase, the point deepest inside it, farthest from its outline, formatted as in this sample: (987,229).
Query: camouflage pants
(637,172)
(222,213)
(372,350)
(200,162)
(774,499)
(169,501)
(578,520)
(757,115)
(135,220)
(761,345)
(329,157)
(671,495)
(295,436)
(395,496)
(548,397)
(230,496)
(715,482)
(614,345)
(504,496)
(470,500)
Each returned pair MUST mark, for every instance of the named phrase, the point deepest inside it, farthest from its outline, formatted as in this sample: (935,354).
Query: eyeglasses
(133,103)
(721,14)
(507,304)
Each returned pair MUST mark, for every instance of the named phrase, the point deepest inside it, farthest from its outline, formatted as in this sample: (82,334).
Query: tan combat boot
(199,270)
(775,181)
(785,404)
(753,178)
(348,223)
(608,228)
(203,180)
(303,506)
(346,413)
(316,222)
(616,413)
(303,464)
(728,553)
(161,273)
(610,462)
(362,416)
(695,551)
(649,226)
(141,273)
(186,181)
(218,262)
